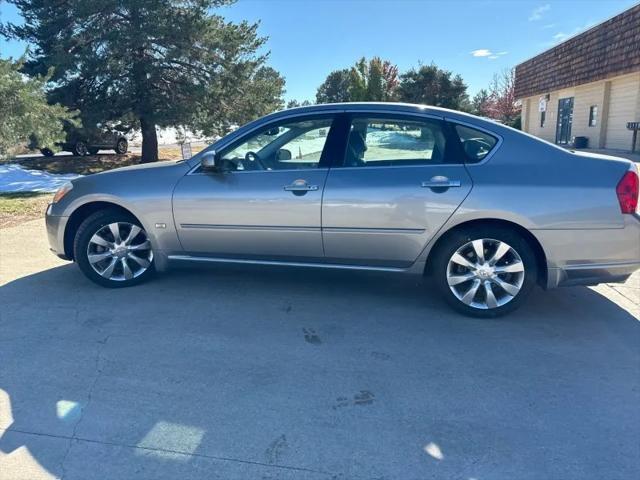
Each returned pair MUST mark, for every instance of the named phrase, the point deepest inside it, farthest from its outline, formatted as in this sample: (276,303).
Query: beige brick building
(587,86)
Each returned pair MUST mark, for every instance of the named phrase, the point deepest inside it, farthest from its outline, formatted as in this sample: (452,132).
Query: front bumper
(55,233)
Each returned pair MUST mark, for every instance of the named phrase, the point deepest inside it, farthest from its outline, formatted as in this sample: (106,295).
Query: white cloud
(538,12)
(486,53)
(548,26)
(482,52)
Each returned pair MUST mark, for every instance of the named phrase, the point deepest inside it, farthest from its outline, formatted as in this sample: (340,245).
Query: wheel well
(79,215)
(541,258)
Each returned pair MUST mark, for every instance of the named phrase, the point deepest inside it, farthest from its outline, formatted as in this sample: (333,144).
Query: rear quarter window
(476,144)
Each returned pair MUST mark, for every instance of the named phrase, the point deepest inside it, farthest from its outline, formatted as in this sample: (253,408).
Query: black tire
(87,229)
(122,146)
(47,152)
(93,151)
(458,239)
(80,149)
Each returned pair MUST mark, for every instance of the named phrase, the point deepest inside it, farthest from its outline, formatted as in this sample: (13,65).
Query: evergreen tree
(295,103)
(431,85)
(25,115)
(150,62)
(482,103)
(335,88)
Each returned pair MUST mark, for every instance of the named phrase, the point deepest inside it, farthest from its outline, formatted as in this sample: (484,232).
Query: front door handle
(441,182)
(300,186)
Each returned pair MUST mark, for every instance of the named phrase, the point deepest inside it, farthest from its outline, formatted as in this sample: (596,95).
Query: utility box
(580,142)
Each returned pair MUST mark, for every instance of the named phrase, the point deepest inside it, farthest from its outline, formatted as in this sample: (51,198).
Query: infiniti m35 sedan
(486,211)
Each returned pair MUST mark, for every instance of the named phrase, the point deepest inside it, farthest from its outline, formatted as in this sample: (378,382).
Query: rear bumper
(591,274)
(55,233)
(589,257)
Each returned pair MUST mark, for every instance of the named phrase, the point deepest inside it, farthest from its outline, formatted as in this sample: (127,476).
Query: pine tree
(431,85)
(149,62)
(25,115)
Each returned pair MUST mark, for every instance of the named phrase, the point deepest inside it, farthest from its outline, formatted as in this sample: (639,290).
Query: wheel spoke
(128,274)
(146,245)
(99,240)
(507,287)
(511,268)
(115,231)
(502,249)
(98,257)
(458,279)
(107,272)
(135,230)
(140,261)
(470,295)
(478,247)
(491,298)
(460,260)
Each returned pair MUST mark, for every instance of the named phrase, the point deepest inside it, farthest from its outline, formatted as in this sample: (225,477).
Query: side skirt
(189,258)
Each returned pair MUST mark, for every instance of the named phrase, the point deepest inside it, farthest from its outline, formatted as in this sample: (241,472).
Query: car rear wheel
(122,146)
(47,152)
(80,149)
(113,250)
(486,271)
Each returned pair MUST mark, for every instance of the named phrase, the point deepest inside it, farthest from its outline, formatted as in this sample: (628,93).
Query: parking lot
(263,373)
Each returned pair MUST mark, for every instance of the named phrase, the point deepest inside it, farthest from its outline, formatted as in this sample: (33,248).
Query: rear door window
(476,144)
(387,142)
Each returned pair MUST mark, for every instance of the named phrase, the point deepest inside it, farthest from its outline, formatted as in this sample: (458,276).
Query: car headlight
(62,191)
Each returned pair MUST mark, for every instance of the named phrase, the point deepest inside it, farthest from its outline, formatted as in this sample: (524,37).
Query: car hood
(144,166)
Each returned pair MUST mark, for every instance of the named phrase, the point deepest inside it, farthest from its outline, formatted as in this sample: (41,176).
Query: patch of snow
(15,178)
(395,138)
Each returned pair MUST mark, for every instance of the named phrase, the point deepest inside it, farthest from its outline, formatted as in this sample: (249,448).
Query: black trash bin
(580,142)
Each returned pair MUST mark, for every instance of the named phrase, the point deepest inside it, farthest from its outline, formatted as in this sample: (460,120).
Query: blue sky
(475,38)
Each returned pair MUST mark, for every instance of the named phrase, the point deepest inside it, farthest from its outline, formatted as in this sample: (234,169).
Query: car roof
(391,107)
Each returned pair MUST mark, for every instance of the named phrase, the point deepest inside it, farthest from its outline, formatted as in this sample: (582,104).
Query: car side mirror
(284,154)
(209,161)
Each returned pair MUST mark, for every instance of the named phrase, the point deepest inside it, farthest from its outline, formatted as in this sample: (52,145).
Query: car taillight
(627,191)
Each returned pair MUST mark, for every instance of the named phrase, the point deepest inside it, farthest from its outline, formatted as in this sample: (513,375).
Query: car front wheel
(113,250)
(486,271)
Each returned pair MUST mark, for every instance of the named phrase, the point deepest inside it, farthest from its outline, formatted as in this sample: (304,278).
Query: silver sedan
(486,211)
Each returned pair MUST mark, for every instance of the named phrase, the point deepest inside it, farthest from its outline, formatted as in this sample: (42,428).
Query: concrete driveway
(256,373)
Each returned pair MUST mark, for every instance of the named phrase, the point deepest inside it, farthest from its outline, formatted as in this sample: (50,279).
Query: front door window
(287,146)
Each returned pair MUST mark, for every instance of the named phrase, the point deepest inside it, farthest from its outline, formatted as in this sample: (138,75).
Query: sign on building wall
(542,104)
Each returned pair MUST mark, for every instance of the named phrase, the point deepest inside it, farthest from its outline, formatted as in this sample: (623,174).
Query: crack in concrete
(176,452)
(99,351)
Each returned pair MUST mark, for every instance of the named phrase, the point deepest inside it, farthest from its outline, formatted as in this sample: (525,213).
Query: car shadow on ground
(260,372)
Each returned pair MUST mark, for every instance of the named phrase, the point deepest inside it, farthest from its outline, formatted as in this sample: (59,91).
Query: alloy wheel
(120,251)
(485,273)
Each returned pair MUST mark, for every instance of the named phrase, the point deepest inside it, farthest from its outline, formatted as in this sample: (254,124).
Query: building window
(593,115)
(543,118)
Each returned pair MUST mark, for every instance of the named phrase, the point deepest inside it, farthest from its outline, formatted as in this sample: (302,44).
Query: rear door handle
(441,182)
(300,186)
